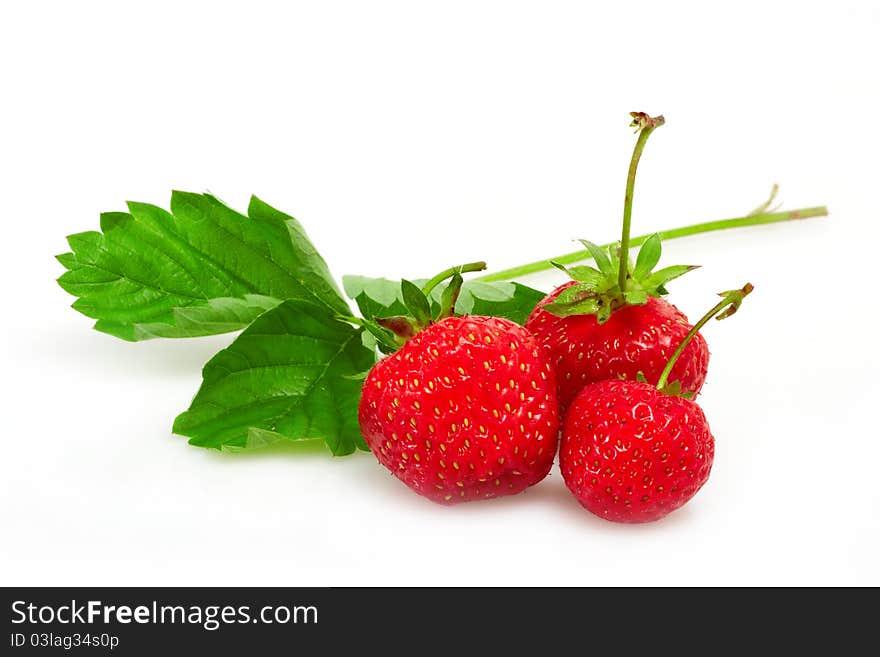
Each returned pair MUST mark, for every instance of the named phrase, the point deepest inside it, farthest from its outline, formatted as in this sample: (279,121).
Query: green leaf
(380,297)
(512,301)
(291,375)
(662,276)
(375,297)
(600,257)
(416,302)
(197,270)
(649,256)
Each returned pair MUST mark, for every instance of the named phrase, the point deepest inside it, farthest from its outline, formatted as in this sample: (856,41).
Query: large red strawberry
(634,338)
(634,452)
(465,410)
(609,322)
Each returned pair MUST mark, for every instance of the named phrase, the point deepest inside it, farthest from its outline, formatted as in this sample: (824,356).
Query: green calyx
(392,332)
(597,290)
(617,282)
(673,388)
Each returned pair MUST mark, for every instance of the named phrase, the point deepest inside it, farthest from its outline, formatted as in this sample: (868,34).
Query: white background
(407,137)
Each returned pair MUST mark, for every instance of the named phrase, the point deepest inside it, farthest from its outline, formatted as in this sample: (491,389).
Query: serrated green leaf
(649,256)
(381,297)
(512,301)
(375,297)
(662,276)
(288,376)
(416,302)
(600,257)
(197,270)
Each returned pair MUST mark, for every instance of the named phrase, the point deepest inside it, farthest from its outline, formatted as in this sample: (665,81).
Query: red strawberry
(609,322)
(635,338)
(464,410)
(631,453)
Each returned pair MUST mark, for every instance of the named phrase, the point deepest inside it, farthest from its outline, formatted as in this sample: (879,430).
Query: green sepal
(635,297)
(416,302)
(649,256)
(578,299)
(384,339)
(400,325)
(597,291)
(604,311)
(661,277)
(381,297)
(450,296)
(601,258)
(673,388)
(582,274)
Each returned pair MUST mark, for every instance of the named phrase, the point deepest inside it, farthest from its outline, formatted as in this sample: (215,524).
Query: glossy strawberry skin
(465,410)
(634,339)
(631,453)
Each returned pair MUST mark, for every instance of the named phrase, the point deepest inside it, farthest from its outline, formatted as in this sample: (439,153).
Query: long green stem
(428,287)
(672,233)
(731,302)
(646,126)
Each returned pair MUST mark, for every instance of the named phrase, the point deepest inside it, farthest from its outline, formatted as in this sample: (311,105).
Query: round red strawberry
(634,338)
(634,452)
(609,322)
(631,453)
(464,410)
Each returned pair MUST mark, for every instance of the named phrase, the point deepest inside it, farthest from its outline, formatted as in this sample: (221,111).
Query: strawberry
(633,452)
(464,410)
(635,338)
(609,322)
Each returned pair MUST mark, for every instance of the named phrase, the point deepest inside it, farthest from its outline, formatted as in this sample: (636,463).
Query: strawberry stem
(428,287)
(671,233)
(730,303)
(644,125)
